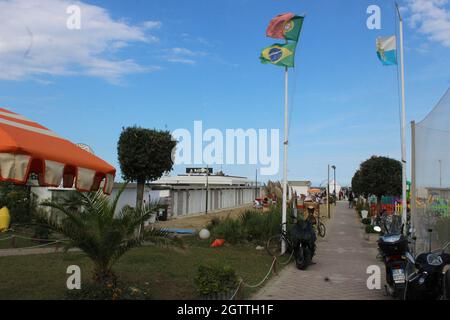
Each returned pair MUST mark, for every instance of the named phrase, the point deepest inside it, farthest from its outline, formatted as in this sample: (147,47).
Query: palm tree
(103,236)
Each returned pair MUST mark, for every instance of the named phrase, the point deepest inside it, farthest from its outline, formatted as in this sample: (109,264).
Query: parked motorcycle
(429,281)
(393,247)
(304,241)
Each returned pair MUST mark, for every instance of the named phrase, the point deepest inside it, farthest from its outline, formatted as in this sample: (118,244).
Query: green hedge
(250,226)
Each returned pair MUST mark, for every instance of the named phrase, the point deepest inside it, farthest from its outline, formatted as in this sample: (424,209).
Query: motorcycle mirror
(377,229)
(410,257)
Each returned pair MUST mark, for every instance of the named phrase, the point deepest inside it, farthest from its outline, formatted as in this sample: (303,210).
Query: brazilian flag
(282,55)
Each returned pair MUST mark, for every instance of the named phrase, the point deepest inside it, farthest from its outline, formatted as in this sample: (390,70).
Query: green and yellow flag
(282,55)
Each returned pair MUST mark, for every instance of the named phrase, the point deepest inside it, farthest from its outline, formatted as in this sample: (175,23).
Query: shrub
(42,233)
(229,229)
(18,200)
(253,223)
(213,223)
(251,226)
(107,291)
(215,280)
(367,221)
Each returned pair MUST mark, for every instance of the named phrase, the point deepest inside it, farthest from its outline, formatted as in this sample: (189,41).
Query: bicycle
(273,245)
(319,226)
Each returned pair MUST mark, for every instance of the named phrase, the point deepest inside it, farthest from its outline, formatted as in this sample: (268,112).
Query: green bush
(107,291)
(251,226)
(366,221)
(213,223)
(42,233)
(261,226)
(215,279)
(18,200)
(254,225)
(230,230)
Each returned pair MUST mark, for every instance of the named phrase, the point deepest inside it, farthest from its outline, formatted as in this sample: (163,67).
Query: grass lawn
(168,272)
(20,243)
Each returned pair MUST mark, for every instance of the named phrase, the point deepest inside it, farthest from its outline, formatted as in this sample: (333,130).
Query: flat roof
(201,180)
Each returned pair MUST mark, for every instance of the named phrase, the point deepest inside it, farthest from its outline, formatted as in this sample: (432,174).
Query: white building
(299,187)
(187,195)
(184,195)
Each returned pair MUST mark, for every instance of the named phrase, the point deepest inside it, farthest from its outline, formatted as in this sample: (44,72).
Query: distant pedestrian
(351,197)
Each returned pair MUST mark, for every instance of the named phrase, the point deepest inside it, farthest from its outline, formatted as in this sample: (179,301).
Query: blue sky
(165,64)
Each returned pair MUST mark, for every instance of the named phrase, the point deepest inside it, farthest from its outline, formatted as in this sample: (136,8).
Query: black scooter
(393,246)
(304,241)
(429,282)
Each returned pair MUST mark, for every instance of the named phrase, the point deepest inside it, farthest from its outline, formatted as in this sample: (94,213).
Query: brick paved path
(342,258)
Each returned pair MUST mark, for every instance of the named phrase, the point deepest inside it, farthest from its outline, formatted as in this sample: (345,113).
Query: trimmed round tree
(144,155)
(380,176)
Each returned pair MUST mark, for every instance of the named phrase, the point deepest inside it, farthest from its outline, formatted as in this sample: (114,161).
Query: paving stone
(342,257)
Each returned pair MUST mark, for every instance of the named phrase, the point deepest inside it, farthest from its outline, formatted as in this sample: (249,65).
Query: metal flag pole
(402,70)
(413,180)
(285,164)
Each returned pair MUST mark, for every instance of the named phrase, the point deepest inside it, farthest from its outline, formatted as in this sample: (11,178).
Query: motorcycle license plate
(398,275)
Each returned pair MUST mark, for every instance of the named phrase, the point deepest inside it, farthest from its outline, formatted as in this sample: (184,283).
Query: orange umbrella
(315,191)
(27,147)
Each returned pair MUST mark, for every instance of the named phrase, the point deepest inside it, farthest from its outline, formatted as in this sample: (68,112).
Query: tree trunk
(139,203)
(378,205)
(139,194)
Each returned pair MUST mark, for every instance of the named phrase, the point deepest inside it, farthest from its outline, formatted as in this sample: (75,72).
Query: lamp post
(334,192)
(328,193)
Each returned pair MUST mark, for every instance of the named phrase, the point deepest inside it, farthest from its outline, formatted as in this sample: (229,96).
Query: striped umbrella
(27,147)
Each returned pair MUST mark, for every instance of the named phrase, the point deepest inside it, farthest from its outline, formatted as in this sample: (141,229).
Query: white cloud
(431,18)
(151,25)
(183,55)
(35,41)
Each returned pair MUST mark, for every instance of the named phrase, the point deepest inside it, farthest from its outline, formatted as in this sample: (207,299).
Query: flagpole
(285,160)
(402,71)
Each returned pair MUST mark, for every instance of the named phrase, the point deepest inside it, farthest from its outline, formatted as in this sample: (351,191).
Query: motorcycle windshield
(391,224)
(431,203)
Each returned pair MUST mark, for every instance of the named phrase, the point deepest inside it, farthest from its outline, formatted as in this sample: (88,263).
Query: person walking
(351,197)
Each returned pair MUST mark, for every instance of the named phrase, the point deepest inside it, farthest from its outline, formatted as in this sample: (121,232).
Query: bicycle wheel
(322,230)
(273,246)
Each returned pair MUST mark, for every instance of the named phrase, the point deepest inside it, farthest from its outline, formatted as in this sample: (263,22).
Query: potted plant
(216,282)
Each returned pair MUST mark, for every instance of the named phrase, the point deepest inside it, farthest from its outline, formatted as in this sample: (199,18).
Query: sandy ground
(201,221)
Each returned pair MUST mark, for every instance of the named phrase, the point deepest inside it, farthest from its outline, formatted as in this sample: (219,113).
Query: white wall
(299,189)
(193,202)
(128,197)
